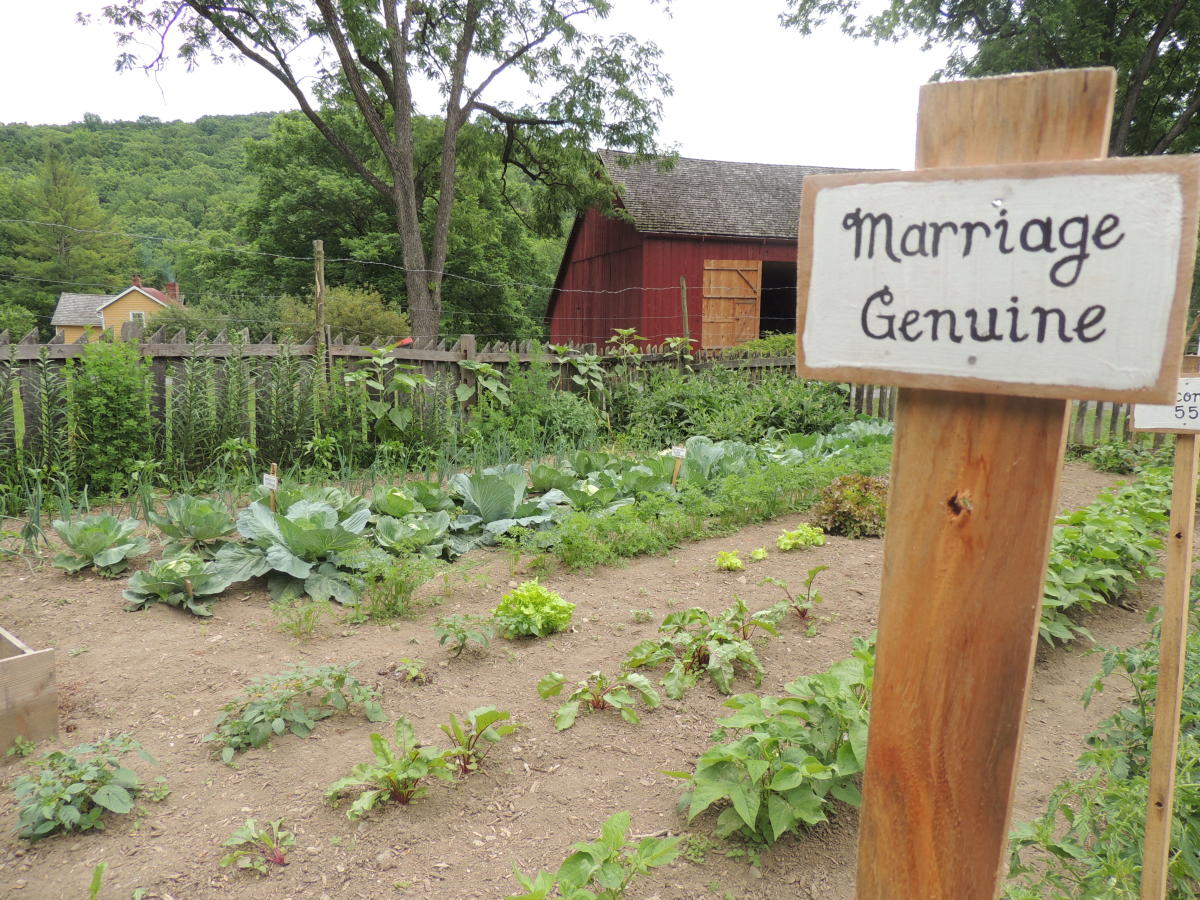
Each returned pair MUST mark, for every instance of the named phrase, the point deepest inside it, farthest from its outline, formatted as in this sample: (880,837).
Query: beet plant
(598,691)
(257,847)
(474,737)
(398,773)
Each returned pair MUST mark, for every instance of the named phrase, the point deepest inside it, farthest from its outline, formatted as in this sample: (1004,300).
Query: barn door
(732,295)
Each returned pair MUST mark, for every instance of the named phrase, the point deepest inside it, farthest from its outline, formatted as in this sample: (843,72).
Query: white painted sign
(271,482)
(1181,416)
(1066,280)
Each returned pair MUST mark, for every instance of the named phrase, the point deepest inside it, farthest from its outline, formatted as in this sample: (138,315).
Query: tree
(587,88)
(1153,44)
(354,312)
(61,238)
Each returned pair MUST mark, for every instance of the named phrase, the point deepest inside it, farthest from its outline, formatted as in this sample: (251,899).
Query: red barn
(727,228)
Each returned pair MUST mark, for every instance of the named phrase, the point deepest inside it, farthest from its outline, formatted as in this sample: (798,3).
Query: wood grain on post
(972,503)
(1172,655)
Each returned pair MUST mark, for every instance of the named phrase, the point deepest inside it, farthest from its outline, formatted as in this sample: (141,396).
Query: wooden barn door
(732,295)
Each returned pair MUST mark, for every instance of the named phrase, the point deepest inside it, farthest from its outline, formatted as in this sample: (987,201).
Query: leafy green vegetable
(274,704)
(531,610)
(102,541)
(397,774)
(475,735)
(268,844)
(600,870)
(196,525)
(71,793)
(787,756)
(597,691)
(801,537)
(300,550)
(729,561)
(181,582)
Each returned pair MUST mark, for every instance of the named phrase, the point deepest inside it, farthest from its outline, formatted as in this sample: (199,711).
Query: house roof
(86,309)
(712,197)
(80,309)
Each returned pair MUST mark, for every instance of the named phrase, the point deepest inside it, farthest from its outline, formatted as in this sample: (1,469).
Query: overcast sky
(745,89)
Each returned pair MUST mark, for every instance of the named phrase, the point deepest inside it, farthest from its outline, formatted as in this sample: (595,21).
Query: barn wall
(604,255)
(667,258)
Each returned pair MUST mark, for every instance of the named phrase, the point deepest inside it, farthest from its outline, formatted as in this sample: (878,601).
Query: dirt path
(163,675)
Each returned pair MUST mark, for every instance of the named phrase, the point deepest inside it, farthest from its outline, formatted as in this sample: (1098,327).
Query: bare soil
(163,675)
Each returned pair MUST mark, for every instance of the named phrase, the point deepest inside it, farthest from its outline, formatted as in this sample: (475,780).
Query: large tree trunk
(424,287)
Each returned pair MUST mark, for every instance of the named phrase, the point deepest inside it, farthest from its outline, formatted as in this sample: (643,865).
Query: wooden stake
(973,498)
(1172,655)
(319,300)
(687,327)
(274,490)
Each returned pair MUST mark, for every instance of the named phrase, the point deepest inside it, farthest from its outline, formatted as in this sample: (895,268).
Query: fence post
(467,348)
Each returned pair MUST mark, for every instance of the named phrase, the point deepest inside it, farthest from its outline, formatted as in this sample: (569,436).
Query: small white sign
(1183,415)
(1066,277)
(271,482)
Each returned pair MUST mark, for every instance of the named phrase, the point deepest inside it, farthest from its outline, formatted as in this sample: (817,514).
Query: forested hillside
(167,200)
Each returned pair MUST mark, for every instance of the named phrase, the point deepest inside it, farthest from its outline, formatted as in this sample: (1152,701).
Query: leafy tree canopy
(1153,44)
(575,86)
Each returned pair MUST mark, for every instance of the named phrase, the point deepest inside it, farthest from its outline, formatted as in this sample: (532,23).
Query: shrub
(854,505)
(110,399)
(531,610)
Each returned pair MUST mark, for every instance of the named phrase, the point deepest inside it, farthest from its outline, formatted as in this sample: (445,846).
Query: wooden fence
(1092,422)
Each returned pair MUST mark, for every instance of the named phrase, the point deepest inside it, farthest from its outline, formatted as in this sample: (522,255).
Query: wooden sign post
(1181,418)
(991,294)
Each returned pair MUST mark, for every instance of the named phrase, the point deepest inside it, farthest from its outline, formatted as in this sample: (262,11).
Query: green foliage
(801,537)
(532,610)
(16,320)
(474,737)
(300,550)
(782,759)
(273,704)
(406,668)
(695,643)
(110,400)
(1097,553)
(195,525)
(598,691)
(666,406)
(1121,459)
(397,773)
(1089,841)
(180,581)
(361,313)
(854,505)
(461,630)
(102,541)
(729,561)
(758,554)
(802,606)
(768,345)
(600,870)
(72,789)
(256,846)
(389,584)
(300,616)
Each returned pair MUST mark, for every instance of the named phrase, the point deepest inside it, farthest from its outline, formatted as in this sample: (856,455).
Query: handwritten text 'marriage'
(1075,236)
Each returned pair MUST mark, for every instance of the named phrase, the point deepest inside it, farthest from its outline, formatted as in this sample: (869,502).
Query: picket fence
(1092,422)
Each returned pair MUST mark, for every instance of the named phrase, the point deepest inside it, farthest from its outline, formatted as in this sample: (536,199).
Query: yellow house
(76,313)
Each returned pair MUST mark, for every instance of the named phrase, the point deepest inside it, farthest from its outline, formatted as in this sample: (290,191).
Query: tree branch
(509,119)
(283,74)
(1137,79)
(1181,124)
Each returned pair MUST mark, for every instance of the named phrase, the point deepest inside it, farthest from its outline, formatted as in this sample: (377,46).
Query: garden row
(105,423)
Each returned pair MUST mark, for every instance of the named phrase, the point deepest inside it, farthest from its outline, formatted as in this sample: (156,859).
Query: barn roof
(712,197)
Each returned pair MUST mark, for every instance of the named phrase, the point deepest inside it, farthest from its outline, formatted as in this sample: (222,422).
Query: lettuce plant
(102,541)
(182,581)
(531,610)
(801,537)
(300,551)
(729,561)
(195,525)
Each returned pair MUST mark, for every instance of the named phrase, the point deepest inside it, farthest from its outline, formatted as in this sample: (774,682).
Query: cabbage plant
(195,525)
(102,541)
(182,581)
(299,551)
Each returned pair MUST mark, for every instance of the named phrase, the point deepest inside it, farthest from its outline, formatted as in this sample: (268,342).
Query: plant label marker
(1182,419)
(271,483)
(987,341)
